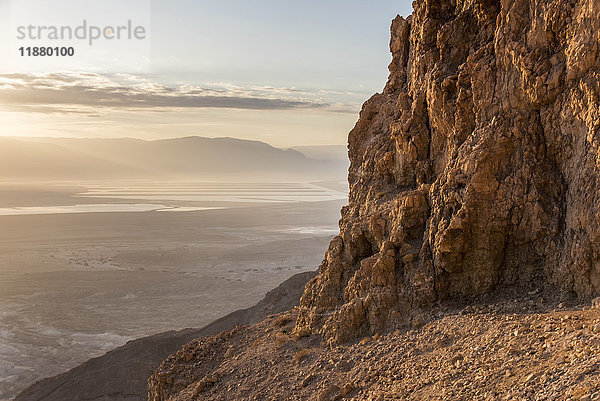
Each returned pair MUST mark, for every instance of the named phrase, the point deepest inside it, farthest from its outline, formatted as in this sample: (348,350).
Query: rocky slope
(122,374)
(475,170)
(497,351)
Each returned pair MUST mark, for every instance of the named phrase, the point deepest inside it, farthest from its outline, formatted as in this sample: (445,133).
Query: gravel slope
(510,350)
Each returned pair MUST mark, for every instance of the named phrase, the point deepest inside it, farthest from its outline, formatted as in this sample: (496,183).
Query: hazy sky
(285,72)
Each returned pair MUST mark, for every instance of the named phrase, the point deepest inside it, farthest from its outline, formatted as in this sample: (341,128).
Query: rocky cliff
(471,239)
(476,170)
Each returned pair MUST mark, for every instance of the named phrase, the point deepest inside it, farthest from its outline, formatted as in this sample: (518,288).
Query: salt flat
(74,285)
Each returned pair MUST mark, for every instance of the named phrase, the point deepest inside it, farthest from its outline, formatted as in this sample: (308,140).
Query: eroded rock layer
(476,169)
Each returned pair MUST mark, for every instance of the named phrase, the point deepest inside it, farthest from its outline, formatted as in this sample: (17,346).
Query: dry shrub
(298,356)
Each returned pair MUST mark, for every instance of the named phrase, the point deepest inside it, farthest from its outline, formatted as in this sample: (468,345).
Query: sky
(285,72)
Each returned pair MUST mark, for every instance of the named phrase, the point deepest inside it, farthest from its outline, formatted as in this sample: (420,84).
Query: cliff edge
(476,170)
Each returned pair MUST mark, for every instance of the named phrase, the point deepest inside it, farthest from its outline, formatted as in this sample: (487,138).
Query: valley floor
(76,285)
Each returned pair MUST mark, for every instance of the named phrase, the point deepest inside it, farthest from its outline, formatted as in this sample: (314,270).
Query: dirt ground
(510,350)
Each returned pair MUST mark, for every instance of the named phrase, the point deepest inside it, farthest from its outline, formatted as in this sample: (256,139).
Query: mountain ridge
(468,253)
(186,157)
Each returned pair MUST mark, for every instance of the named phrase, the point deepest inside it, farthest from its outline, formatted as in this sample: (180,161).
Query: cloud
(70,92)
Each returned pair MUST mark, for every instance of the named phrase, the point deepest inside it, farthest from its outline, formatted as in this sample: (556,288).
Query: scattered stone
(328,393)
(480,357)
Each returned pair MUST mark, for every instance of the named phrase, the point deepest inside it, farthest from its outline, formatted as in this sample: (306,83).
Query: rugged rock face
(476,169)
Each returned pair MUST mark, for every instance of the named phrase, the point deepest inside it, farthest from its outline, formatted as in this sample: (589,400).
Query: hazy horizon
(192,158)
(108,239)
(99,137)
(269,71)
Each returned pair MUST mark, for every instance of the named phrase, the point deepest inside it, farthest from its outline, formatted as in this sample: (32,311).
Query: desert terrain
(87,267)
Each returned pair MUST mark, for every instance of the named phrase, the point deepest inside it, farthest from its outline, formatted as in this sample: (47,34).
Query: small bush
(298,356)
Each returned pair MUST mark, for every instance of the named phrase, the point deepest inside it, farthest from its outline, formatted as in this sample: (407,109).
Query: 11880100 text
(47,51)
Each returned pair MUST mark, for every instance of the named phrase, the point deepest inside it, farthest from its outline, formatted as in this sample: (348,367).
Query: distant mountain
(185,158)
(324,152)
(27,159)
